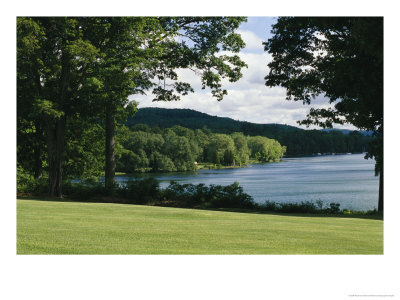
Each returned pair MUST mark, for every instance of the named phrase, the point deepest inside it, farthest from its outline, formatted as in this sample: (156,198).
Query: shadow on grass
(116,200)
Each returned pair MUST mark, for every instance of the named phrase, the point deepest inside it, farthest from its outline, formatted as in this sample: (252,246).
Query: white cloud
(248,99)
(253,42)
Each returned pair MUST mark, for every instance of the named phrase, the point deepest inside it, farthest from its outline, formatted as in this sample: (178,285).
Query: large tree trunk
(380,202)
(110,147)
(55,153)
(381,171)
(56,132)
(37,153)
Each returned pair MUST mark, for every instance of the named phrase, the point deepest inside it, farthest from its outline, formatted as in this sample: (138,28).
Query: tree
(265,149)
(340,58)
(220,149)
(178,149)
(84,151)
(158,47)
(242,151)
(30,127)
(120,42)
(55,79)
(86,67)
(202,140)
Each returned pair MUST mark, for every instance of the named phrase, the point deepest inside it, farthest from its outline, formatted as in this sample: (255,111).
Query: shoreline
(210,166)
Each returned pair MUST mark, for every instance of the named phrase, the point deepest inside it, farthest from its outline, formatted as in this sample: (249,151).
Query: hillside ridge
(185,117)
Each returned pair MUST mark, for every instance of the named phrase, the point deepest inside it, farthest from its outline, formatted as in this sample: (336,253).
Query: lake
(345,179)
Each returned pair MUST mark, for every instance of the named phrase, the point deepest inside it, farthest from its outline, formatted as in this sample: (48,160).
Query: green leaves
(47,108)
(265,149)
(339,58)
(77,70)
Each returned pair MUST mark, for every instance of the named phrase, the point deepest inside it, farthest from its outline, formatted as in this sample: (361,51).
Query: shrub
(184,195)
(26,183)
(334,208)
(269,206)
(85,190)
(201,196)
(303,207)
(139,191)
(230,196)
(308,207)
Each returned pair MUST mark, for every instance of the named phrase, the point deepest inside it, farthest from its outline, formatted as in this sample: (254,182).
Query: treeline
(150,149)
(298,141)
(142,148)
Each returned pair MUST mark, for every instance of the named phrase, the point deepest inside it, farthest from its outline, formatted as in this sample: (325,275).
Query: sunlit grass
(48,227)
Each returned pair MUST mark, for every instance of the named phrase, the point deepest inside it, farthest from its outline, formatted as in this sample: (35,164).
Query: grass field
(50,227)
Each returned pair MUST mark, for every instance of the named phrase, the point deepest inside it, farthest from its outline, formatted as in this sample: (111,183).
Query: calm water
(345,179)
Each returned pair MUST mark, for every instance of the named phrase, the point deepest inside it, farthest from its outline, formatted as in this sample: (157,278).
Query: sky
(248,99)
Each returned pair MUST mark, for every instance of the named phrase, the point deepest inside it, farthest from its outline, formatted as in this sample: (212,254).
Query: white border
(198,277)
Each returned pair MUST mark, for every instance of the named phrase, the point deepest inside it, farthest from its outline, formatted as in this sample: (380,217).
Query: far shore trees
(340,58)
(145,149)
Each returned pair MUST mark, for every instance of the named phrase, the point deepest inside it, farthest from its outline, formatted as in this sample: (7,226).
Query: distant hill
(297,140)
(164,118)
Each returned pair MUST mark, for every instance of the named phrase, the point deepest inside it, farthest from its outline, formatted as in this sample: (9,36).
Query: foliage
(340,58)
(202,196)
(308,207)
(179,149)
(128,161)
(161,163)
(27,183)
(85,190)
(141,191)
(82,69)
(220,149)
(242,151)
(298,141)
(84,151)
(265,150)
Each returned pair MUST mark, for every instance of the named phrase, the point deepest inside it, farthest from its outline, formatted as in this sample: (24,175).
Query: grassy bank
(50,227)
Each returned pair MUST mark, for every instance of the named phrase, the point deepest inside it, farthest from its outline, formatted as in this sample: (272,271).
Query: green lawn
(49,227)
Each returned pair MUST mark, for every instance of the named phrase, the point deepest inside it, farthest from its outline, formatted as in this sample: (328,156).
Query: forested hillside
(151,149)
(298,141)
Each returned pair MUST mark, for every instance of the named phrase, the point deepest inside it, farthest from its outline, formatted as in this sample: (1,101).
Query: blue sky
(248,99)
(260,26)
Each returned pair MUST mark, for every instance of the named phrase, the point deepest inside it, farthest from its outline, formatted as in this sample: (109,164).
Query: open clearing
(56,227)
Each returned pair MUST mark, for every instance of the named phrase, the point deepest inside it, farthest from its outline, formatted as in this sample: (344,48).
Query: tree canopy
(84,68)
(340,58)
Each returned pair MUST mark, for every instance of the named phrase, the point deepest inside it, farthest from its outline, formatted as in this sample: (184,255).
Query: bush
(84,190)
(307,207)
(230,196)
(303,207)
(26,183)
(139,191)
(334,208)
(201,196)
(358,212)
